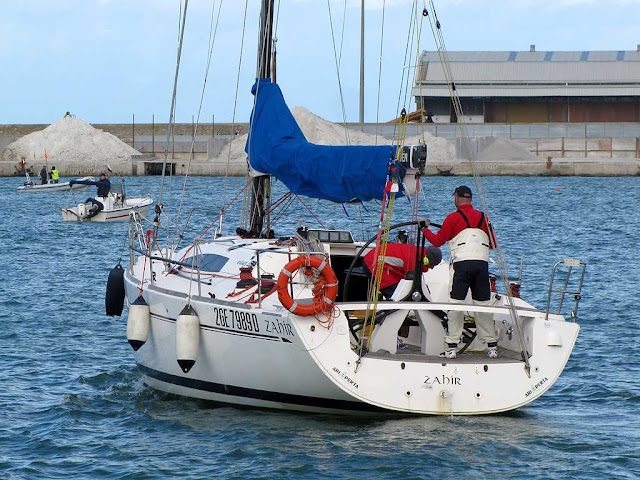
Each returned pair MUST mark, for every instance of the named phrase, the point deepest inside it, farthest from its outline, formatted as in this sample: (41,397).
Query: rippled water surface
(73,405)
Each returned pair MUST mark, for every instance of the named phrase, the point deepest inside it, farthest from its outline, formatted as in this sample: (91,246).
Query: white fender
(138,323)
(187,338)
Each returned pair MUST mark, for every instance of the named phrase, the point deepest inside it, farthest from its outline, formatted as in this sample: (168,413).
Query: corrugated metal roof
(530,72)
(522,74)
(541,56)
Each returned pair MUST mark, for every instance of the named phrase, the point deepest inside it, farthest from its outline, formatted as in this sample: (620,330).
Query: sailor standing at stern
(468,233)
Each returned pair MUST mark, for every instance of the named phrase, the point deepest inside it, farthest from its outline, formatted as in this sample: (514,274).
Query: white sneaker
(492,352)
(449,353)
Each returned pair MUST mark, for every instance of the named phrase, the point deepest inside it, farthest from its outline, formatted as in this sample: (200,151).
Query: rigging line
(380,70)
(418,73)
(312,214)
(279,201)
(413,33)
(235,105)
(212,39)
(500,259)
(406,53)
(284,207)
(214,221)
(335,56)
(275,28)
(167,213)
(344,21)
(173,99)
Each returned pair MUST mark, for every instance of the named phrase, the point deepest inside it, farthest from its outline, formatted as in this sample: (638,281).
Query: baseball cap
(463,191)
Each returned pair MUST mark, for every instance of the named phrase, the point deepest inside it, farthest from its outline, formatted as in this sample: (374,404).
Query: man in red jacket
(469,237)
(400,259)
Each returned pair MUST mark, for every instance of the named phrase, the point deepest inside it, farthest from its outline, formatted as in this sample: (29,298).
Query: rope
(406,53)
(235,105)
(335,56)
(380,71)
(146,255)
(500,259)
(212,38)
(172,110)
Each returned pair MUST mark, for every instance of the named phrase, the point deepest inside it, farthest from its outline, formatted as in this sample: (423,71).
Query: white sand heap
(322,132)
(500,150)
(70,140)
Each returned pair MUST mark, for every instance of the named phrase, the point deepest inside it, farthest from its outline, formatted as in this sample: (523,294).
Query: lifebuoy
(325,287)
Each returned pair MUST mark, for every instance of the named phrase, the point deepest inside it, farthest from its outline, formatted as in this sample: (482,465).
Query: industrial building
(531,86)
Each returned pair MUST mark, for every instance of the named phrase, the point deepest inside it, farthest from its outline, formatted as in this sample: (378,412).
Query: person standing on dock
(468,233)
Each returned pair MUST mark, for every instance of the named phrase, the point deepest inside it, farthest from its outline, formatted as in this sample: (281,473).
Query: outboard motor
(114,298)
(83,210)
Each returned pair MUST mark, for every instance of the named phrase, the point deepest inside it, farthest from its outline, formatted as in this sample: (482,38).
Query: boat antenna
(260,189)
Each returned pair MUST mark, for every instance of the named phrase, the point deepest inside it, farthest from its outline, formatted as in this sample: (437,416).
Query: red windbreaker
(454,224)
(399,259)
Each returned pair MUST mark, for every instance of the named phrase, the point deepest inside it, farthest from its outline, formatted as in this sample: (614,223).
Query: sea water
(73,406)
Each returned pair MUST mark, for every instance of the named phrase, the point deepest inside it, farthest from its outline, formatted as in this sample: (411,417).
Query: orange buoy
(325,287)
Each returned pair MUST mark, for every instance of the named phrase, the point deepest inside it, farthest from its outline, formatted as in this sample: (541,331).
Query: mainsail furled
(277,146)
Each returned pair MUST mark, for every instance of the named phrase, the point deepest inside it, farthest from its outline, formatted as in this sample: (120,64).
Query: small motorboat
(114,207)
(37,186)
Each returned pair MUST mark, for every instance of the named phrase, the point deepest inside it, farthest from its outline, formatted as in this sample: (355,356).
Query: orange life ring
(325,287)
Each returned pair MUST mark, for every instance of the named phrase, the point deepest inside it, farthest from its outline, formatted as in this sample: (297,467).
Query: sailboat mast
(261,185)
(362,64)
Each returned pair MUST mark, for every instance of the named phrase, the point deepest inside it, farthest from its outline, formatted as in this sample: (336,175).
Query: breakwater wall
(579,153)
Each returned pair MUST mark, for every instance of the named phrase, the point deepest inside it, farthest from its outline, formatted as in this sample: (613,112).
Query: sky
(108,60)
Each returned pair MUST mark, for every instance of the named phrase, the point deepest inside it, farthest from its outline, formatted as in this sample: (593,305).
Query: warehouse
(531,86)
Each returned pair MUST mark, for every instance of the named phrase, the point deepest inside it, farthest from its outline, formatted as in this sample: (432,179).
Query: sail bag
(277,146)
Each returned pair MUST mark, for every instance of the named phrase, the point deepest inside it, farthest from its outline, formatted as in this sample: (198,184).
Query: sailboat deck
(409,354)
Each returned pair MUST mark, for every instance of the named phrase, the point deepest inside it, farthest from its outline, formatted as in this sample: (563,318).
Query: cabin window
(208,262)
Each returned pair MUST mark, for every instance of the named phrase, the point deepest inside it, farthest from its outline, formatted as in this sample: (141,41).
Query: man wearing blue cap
(468,234)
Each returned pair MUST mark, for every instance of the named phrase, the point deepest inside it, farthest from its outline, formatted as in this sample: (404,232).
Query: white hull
(263,356)
(54,187)
(113,211)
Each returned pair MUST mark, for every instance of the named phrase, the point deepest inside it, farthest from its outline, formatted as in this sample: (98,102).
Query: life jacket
(471,243)
(54,174)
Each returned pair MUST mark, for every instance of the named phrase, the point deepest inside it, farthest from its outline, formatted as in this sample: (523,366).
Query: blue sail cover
(277,146)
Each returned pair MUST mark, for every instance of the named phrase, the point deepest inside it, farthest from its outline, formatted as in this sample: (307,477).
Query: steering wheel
(364,247)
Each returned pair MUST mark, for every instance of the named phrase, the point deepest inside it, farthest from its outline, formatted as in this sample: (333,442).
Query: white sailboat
(249,320)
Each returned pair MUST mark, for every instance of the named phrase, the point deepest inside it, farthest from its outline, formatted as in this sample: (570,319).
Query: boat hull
(272,359)
(246,358)
(54,187)
(120,214)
